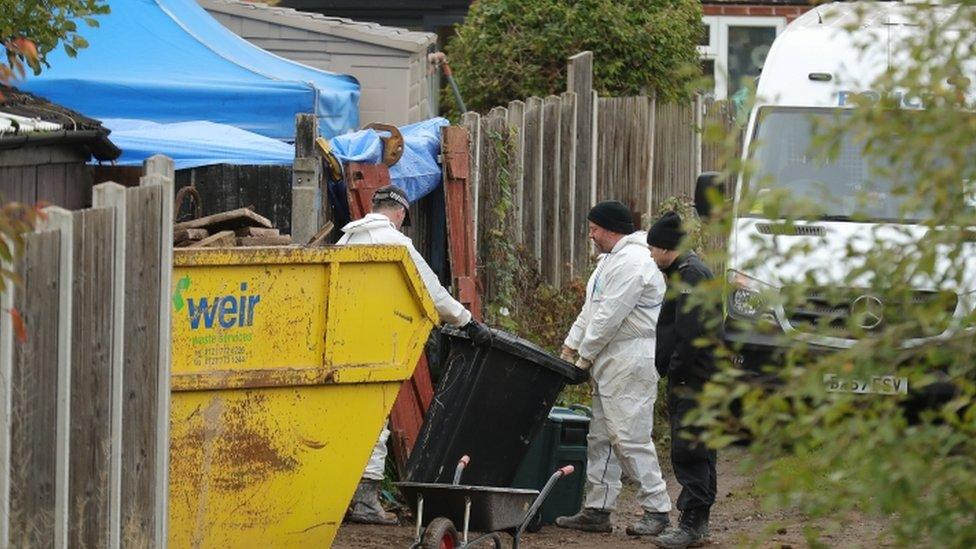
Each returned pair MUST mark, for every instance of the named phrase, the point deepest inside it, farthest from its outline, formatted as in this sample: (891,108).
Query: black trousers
(693,462)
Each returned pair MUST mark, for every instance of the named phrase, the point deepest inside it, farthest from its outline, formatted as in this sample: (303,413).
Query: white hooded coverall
(376,228)
(615,331)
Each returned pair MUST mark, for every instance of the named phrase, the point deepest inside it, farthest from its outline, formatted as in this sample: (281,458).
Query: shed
(390,63)
(45,149)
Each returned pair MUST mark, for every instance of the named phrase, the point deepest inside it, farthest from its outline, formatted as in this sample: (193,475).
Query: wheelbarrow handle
(541,498)
(462,463)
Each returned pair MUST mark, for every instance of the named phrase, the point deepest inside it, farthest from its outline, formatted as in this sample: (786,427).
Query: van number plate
(882,385)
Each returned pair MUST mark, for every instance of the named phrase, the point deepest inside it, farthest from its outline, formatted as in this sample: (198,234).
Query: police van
(816,71)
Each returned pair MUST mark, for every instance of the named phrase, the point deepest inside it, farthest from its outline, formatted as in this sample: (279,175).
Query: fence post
(159,171)
(580,80)
(306,193)
(62,221)
(112,195)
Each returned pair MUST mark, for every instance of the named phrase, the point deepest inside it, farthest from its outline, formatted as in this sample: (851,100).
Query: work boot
(365,507)
(651,524)
(587,520)
(691,531)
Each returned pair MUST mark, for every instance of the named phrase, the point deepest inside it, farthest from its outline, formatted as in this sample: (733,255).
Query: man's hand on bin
(478,332)
(583,364)
(568,354)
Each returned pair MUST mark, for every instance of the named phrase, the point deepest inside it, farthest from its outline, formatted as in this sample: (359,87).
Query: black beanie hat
(666,232)
(612,216)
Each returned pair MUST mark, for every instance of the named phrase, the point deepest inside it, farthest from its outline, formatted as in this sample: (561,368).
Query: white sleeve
(579,328)
(622,290)
(450,310)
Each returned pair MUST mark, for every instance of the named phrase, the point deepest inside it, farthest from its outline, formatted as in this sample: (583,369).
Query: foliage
(513,49)
(499,244)
(29,30)
(832,453)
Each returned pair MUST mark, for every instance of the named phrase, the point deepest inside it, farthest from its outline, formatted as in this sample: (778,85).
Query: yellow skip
(286,362)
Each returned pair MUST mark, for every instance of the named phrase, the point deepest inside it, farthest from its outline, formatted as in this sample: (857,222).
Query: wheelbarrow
(483,509)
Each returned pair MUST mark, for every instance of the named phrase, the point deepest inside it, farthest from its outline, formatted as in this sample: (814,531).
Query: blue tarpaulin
(169,61)
(193,144)
(417,172)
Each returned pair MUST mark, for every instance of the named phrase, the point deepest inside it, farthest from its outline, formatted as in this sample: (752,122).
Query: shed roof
(26,120)
(371,33)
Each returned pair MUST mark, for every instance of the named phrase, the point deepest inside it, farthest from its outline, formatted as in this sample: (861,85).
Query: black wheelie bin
(490,403)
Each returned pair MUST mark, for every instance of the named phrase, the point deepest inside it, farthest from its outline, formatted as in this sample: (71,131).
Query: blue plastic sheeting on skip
(170,61)
(417,172)
(193,144)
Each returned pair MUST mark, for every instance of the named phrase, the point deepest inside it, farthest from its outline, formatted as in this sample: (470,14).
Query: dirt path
(737,520)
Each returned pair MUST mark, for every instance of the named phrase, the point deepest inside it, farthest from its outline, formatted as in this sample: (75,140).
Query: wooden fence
(548,160)
(84,387)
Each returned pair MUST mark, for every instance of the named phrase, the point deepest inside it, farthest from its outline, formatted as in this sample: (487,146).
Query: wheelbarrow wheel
(440,534)
(535,524)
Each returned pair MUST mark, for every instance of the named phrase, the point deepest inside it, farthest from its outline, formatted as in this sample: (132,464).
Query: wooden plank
(52,186)
(472,122)
(160,172)
(279,240)
(234,219)
(91,378)
(62,221)
(580,80)
(139,383)
(462,253)
(675,152)
(495,145)
(532,202)
(552,131)
(567,183)
(516,121)
(254,231)
(180,235)
(34,382)
(216,240)
(6,402)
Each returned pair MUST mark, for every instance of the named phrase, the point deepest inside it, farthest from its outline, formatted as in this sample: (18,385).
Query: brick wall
(789,12)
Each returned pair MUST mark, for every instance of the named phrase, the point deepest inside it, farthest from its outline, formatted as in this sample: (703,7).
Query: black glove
(478,332)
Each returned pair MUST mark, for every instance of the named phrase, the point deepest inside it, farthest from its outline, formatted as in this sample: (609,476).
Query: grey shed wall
(395,86)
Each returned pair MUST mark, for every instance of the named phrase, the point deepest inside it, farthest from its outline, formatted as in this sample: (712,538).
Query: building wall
(385,75)
(788,12)
(55,175)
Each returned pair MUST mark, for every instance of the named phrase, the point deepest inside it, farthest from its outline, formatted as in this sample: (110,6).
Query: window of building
(736,49)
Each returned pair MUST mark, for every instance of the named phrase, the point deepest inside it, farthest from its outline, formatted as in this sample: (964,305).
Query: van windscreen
(842,184)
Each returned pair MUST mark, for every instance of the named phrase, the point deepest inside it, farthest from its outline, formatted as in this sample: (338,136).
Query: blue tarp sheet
(192,144)
(169,61)
(417,172)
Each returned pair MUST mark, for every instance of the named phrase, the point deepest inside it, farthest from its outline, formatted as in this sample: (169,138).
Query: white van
(814,70)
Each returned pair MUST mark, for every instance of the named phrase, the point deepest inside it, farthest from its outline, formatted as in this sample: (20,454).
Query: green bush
(513,49)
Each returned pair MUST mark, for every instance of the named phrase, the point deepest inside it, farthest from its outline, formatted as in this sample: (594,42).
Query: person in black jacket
(687,366)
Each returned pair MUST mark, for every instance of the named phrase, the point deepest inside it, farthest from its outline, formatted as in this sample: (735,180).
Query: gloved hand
(478,332)
(583,364)
(568,354)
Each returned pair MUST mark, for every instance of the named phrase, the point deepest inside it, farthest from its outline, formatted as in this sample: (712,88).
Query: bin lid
(522,348)
(559,414)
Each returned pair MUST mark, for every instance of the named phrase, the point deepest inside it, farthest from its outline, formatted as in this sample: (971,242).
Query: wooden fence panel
(516,122)
(91,373)
(676,153)
(532,201)
(567,184)
(551,129)
(720,115)
(141,367)
(34,384)
(580,81)
(625,149)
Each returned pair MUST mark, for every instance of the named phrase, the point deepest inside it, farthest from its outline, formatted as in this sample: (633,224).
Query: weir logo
(224,311)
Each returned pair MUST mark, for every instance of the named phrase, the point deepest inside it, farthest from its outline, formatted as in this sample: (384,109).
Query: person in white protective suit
(614,338)
(390,211)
